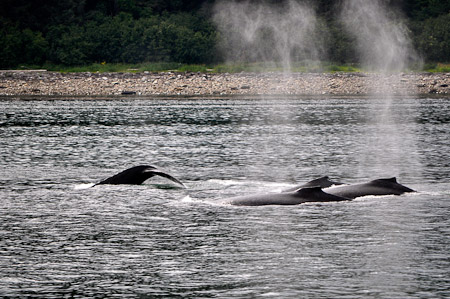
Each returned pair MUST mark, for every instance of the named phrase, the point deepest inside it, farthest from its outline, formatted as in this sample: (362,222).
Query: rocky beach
(46,83)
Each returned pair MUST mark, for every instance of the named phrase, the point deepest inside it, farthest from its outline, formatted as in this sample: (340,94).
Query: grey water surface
(61,239)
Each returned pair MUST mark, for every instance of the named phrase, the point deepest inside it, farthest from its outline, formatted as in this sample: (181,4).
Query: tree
(432,38)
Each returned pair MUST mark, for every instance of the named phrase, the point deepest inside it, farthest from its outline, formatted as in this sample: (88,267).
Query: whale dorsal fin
(392,180)
(323,182)
(387,180)
(308,190)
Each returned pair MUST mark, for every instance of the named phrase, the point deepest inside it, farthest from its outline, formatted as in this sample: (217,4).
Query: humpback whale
(387,186)
(302,195)
(137,175)
(322,182)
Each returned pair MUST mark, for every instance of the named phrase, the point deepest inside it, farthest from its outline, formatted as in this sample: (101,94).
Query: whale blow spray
(266,32)
(384,47)
(382,38)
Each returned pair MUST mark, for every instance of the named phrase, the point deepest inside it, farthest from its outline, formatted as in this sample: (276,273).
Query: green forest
(82,32)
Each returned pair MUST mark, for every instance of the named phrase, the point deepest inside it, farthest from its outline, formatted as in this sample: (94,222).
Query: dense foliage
(71,32)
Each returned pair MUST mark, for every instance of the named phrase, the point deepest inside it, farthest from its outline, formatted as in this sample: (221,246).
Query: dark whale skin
(137,175)
(303,195)
(388,186)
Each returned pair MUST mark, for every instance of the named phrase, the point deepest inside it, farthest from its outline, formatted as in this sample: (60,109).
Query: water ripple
(61,238)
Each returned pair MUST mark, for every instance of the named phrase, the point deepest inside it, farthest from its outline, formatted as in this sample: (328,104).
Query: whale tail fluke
(165,175)
(137,175)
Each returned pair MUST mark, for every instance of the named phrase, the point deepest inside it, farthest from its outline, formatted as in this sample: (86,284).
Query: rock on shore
(197,84)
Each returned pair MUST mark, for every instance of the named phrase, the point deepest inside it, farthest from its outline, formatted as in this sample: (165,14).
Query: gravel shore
(13,83)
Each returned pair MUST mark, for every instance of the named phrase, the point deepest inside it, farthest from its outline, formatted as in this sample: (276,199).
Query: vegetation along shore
(220,47)
(74,33)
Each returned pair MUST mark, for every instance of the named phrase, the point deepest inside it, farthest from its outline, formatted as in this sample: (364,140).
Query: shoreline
(45,83)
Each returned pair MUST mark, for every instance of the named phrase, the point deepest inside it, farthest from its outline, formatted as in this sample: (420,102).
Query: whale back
(302,195)
(391,184)
(388,186)
(316,194)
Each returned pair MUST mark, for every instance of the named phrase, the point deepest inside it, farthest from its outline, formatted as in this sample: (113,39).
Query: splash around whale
(318,190)
(322,190)
(385,186)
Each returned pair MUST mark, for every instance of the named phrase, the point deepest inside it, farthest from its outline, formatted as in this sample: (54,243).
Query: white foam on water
(84,186)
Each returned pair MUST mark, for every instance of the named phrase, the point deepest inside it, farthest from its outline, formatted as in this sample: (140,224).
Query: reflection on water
(60,239)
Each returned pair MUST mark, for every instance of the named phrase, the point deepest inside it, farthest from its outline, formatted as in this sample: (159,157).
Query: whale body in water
(302,195)
(322,190)
(388,186)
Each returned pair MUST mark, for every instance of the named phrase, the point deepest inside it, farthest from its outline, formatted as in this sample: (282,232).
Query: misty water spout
(382,38)
(267,32)
(384,46)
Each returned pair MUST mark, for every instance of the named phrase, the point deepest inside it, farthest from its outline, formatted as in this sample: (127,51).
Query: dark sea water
(61,239)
